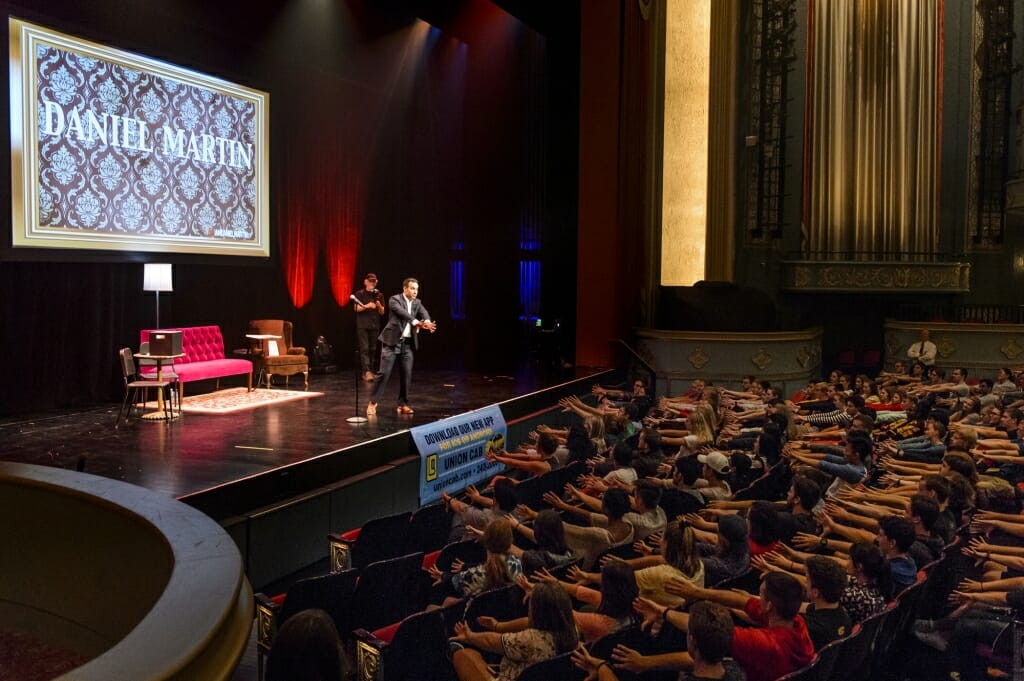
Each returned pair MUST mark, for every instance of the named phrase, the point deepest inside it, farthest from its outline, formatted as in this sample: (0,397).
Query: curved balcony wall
(141,585)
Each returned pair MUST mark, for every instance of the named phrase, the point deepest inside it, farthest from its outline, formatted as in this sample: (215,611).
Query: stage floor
(198,451)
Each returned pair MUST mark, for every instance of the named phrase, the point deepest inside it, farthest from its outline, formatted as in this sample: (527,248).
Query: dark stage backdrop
(443,152)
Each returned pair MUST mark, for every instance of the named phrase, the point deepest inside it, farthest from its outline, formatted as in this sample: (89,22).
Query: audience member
(550,631)
(306,648)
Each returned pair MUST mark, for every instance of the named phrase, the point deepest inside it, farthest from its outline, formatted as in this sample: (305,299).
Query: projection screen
(115,151)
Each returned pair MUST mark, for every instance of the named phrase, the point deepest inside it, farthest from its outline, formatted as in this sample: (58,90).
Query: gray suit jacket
(398,317)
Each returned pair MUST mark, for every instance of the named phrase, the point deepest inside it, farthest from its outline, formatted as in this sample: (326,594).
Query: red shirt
(895,406)
(766,653)
(759,549)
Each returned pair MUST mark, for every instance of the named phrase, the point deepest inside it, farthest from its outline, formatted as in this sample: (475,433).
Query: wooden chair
(167,373)
(137,388)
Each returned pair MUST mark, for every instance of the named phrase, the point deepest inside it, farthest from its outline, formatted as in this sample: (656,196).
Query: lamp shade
(157,277)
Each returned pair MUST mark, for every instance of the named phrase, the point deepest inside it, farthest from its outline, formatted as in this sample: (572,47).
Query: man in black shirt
(369,306)
(923,511)
(827,621)
(937,487)
(803,497)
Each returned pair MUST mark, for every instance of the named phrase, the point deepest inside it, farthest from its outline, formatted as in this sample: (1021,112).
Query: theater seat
(504,603)
(469,551)
(411,650)
(632,637)
(872,359)
(428,529)
(378,539)
(332,593)
(387,591)
(559,667)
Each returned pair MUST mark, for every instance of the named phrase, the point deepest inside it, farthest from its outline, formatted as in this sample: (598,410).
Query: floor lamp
(156,277)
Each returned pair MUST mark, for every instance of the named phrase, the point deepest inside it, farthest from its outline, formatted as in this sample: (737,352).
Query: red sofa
(204,356)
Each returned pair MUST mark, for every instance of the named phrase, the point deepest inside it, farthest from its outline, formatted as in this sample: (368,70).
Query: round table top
(262,336)
(146,355)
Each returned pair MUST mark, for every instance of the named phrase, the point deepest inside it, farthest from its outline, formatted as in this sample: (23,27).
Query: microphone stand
(357,419)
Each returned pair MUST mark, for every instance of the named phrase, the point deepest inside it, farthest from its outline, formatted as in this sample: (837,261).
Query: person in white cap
(714,482)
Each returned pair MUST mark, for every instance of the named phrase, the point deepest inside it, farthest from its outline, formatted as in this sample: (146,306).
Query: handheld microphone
(354,299)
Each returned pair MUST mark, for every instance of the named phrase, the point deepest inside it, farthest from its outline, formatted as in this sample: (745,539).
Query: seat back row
(379,539)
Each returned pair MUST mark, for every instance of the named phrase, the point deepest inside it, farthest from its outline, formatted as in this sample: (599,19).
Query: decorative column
(721,185)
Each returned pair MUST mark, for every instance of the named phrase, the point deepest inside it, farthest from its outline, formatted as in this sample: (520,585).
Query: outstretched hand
(805,540)
(525,512)
(543,575)
(435,574)
(462,631)
(577,575)
(554,500)
(648,610)
(628,659)
(585,661)
(681,587)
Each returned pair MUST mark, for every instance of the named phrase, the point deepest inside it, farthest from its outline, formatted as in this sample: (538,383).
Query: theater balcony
(124,582)
(923,273)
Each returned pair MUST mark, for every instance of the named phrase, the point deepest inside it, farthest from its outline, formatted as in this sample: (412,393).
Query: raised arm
(845,531)
(531,466)
(689,591)
(556,501)
(593,503)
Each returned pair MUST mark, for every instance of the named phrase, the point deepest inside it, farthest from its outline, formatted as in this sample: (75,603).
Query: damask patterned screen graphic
(114,151)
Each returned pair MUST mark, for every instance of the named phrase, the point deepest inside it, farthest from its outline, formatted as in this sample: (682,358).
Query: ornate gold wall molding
(809,355)
(892,344)
(1011,349)
(945,348)
(876,277)
(788,359)
(762,359)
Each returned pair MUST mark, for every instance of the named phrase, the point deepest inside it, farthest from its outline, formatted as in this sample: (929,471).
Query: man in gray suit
(406,316)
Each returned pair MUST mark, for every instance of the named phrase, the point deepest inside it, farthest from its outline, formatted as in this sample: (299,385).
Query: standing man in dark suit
(369,306)
(399,338)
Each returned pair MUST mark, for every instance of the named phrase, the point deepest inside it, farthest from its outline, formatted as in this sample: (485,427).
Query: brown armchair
(289,360)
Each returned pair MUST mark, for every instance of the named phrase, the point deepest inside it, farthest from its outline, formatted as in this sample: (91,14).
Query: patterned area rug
(238,399)
(24,657)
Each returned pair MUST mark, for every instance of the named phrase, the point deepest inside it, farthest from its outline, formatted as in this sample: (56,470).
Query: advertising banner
(453,451)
